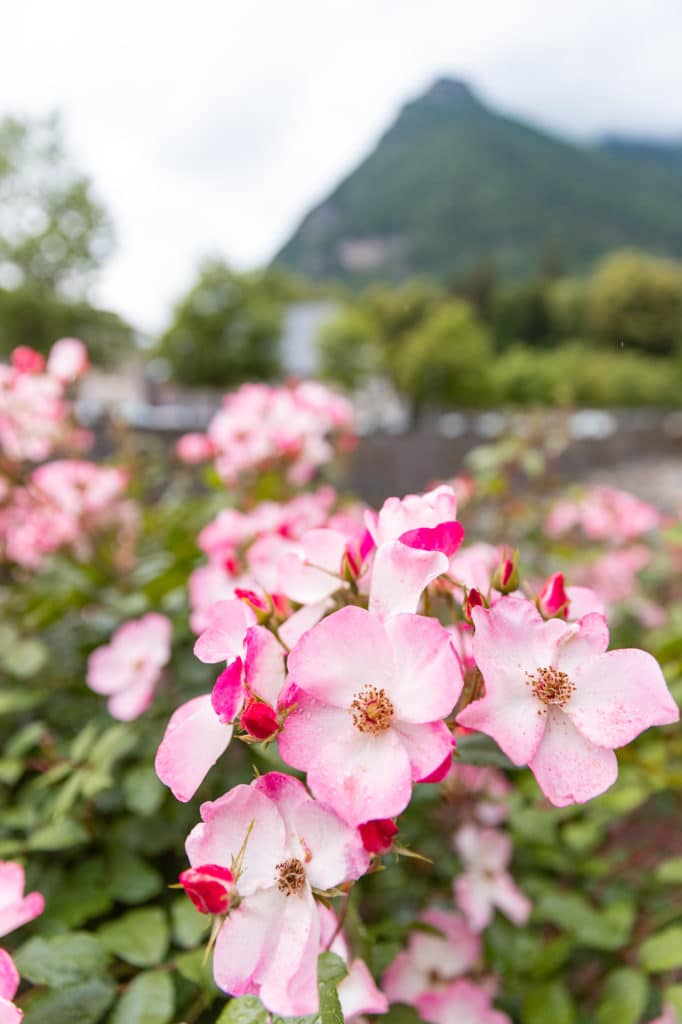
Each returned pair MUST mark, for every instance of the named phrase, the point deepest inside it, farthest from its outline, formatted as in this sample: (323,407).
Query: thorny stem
(341,919)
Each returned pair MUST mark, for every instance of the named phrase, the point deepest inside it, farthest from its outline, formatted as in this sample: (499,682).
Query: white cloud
(211,127)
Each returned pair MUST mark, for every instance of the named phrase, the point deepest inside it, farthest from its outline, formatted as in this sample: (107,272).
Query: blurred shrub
(29,314)
(347,347)
(577,374)
(225,330)
(635,301)
(446,359)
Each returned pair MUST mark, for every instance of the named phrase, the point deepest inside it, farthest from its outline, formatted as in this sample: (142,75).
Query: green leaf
(131,879)
(149,999)
(549,1002)
(189,925)
(79,895)
(142,790)
(669,871)
(61,960)
(605,928)
(115,743)
(25,658)
(59,835)
(78,1004)
(330,971)
(243,1010)
(624,997)
(25,739)
(662,951)
(20,700)
(140,937)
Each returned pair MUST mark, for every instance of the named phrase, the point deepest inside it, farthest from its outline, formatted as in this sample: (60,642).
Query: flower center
(372,711)
(290,876)
(550,686)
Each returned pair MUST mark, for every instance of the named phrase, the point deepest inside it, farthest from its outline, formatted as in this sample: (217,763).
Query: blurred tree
(446,359)
(54,236)
(53,233)
(225,330)
(478,287)
(566,302)
(348,348)
(635,301)
(521,313)
(30,315)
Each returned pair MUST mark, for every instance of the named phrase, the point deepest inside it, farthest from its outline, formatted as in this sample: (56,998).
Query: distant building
(302,323)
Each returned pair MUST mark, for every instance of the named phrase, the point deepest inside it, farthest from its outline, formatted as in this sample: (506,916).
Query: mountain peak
(450,91)
(453,183)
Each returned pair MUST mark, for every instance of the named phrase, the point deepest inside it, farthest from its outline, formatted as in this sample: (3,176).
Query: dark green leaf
(244,1010)
(149,999)
(78,1004)
(61,960)
(330,971)
(140,937)
(548,1002)
(624,997)
(662,951)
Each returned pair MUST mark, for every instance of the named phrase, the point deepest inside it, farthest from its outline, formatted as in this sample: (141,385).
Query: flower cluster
(362,645)
(60,504)
(619,526)
(295,428)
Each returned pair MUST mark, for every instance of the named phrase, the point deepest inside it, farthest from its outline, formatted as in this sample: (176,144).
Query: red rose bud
(281,604)
(553,600)
(259,604)
(209,887)
(472,600)
(377,836)
(259,720)
(351,564)
(506,576)
(27,360)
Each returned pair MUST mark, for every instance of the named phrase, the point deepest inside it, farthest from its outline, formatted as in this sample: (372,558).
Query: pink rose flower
(432,959)
(463,1002)
(485,882)
(368,701)
(279,843)
(15,908)
(200,730)
(128,668)
(557,701)
(9,983)
(68,359)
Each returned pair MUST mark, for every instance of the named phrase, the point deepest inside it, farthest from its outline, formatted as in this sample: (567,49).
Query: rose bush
(385,674)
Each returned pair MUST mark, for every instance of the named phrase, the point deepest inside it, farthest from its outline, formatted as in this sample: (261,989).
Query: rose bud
(27,360)
(194,448)
(68,360)
(259,720)
(472,600)
(258,603)
(209,887)
(506,576)
(553,599)
(377,836)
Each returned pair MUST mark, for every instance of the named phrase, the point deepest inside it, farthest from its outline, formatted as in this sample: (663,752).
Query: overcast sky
(210,126)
